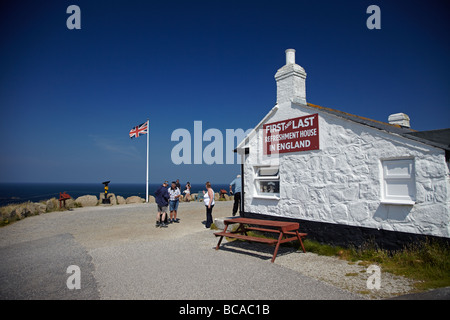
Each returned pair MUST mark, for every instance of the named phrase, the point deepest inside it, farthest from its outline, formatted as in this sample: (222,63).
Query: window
(267,182)
(398,185)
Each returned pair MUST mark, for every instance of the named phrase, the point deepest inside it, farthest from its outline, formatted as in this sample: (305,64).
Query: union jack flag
(138,130)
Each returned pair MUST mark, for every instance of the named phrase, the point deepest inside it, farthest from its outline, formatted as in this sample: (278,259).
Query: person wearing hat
(162,201)
(237,193)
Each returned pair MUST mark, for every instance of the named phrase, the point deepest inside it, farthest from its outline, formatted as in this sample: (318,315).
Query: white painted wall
(341,182)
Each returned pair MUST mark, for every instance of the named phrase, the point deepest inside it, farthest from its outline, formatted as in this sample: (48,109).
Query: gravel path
(346,275)
(123,256)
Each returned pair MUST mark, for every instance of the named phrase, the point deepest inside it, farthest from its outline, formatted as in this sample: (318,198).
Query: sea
(12,193)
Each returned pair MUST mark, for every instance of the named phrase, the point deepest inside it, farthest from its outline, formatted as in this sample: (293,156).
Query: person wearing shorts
(175,194)
(162,200)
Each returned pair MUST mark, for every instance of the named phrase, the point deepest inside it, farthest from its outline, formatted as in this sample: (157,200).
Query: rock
(151,199)
(70,203)
(52,205)
(42,208)
(87,201)
(121,200)
(216,196)
(24,210)
(36,208)
(111,196)
(7,213)
(135,199)
(20,212)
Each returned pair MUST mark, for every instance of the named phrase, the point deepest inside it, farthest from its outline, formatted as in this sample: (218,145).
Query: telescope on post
(106,199)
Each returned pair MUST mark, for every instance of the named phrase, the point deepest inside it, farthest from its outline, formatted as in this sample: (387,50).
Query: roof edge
(407,133)
(347,115)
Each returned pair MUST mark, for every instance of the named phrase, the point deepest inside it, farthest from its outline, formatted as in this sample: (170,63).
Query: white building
(344,177)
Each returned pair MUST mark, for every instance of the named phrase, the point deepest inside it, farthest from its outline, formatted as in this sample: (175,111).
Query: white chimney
(399,119)
(290,56)
(291,81)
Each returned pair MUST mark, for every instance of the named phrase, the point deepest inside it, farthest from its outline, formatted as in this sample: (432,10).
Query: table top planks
(285,225)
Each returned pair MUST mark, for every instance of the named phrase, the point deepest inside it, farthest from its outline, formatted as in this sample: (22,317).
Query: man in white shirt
(175,194)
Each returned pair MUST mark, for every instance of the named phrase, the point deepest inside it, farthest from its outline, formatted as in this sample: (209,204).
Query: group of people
(165,197)
(170,197)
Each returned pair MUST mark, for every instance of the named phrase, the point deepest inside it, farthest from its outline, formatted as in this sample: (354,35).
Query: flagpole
(146,184)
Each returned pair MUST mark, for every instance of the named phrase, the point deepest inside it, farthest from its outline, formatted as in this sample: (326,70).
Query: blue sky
(68,98)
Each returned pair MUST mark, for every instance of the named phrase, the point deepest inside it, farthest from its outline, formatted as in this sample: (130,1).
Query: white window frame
(260,178)
(397,181)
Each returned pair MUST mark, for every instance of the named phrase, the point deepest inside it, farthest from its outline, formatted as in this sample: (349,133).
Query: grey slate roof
(436,138)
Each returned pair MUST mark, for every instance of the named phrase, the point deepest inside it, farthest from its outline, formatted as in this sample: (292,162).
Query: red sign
(292,135)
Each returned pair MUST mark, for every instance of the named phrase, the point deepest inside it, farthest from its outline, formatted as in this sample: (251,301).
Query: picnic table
(287,231)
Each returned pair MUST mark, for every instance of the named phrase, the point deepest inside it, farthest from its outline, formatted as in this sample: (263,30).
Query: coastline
(18,211)
(15,193)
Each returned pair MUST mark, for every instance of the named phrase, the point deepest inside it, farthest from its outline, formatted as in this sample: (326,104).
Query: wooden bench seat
(244,237)
(282,228)
(303,235)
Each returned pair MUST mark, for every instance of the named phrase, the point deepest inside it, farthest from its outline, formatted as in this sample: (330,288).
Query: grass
(426,262)
(15,212)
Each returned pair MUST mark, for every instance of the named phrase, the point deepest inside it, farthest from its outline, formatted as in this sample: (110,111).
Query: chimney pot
(399,119)
(290,56)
